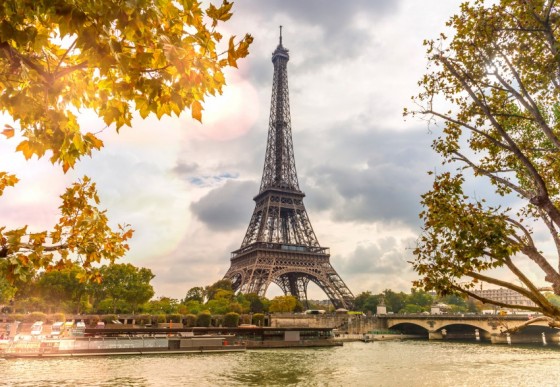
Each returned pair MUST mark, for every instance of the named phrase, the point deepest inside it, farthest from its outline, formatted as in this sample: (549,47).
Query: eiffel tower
(280,245)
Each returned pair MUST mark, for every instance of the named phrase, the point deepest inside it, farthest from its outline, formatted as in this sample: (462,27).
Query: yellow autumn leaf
(65,166)
(231,54)
(93,140)
(24,148)
(196,110)
(8,132)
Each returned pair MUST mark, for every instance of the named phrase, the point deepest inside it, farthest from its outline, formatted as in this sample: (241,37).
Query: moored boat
(132,345)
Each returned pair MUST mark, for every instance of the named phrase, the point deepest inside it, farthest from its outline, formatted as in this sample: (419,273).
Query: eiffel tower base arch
(291,271)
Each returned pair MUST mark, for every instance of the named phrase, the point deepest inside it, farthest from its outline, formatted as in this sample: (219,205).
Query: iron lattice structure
(280,245)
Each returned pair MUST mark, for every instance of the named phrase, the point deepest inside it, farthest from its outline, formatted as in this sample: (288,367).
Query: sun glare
(227,116)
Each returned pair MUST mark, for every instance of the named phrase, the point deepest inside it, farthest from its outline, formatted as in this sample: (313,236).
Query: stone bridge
(489,327)
(435,327)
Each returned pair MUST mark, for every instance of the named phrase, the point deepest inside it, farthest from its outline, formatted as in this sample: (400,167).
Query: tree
(195,294)
(7,291)
(163,305)
(367,302)
(411,308)
(193,307)
(82,231)
(212,290)
(283,304)
(420,298)
(62,289)
(126,285)
(394,301)
(457,304)
(218,306)
(256,304)
(499,76)
(113,57)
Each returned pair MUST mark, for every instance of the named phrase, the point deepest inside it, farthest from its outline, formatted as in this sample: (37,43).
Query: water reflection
(408,363)
(278,367)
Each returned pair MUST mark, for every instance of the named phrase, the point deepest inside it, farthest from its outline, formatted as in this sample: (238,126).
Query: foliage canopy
(495,84)
(114,57)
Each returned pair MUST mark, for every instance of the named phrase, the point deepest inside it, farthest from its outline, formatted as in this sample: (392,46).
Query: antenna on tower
(280,35)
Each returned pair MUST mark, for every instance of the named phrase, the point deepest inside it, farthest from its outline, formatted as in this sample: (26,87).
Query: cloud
(186,168)
(366,175)
(333,14)
(226,207)
(317,33)
(379,264)
(385,256)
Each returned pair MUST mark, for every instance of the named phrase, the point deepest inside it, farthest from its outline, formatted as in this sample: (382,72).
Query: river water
(406,363)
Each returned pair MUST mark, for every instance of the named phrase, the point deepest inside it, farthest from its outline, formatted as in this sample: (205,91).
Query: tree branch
(503,284)
(61,246)
(489,174)
(71,47)
(469,127)
(542,199)
(553,323)
(549,34)
(538,297)
(526,100)
(531,251)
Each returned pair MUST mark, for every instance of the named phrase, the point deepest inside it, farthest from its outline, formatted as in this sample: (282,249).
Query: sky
(187,188)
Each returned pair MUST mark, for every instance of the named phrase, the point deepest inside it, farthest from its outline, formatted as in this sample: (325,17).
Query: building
(504,295)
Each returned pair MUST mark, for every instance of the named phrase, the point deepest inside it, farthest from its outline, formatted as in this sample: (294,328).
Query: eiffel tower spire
(280,245)
(279,168)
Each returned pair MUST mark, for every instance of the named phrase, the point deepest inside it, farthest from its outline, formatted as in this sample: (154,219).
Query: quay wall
(349,324)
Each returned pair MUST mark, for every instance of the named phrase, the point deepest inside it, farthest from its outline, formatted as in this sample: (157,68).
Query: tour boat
(131,345)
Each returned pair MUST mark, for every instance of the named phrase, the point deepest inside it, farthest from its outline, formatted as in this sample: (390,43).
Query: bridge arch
(437,325)
(410,328)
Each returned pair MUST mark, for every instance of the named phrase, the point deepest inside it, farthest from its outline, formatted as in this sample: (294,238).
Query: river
(406,363)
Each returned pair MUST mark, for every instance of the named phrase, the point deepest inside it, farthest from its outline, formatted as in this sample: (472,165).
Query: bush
(161,318)
(231,320)
(174,318)
(190,320)
(258,319)
(203,319)
(36,316)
